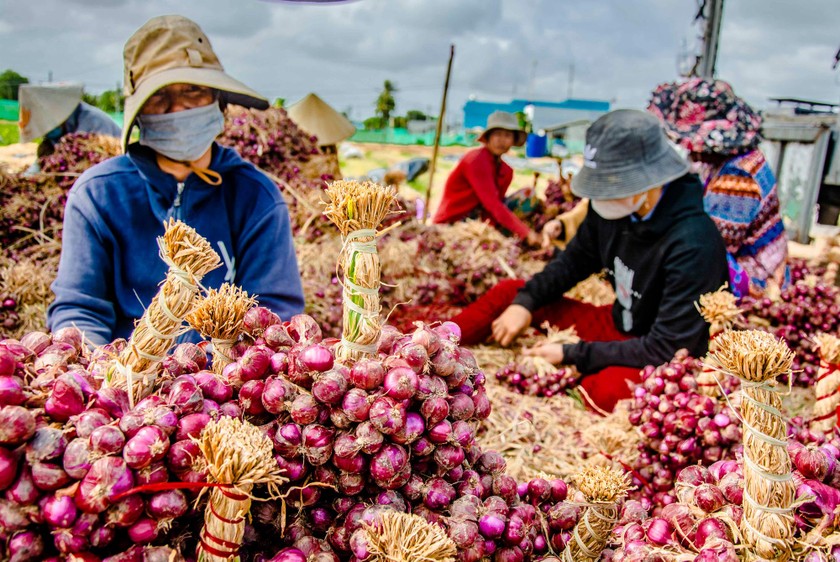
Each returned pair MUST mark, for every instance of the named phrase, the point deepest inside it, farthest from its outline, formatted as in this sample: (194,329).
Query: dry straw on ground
(357,209)
(603,488)
(240,456)
(218,316)
(189,257)
(828,383)
(720,310)
(757,359)
(403,537)
(27,279)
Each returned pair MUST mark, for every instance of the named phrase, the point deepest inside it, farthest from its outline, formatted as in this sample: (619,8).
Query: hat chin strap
(207,175)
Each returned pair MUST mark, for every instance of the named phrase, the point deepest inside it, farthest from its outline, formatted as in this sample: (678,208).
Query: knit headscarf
(706,116)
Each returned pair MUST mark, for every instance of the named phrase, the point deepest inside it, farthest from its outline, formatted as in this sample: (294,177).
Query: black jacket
(658,268)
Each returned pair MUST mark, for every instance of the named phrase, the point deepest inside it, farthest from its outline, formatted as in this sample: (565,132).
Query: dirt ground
(387,155)
(18,157)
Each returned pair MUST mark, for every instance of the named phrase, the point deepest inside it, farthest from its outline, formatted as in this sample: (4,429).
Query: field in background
(18,156)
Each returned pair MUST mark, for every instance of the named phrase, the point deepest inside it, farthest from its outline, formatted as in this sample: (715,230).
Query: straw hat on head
(43,108)
(506,121)
(170,50)
(317,117)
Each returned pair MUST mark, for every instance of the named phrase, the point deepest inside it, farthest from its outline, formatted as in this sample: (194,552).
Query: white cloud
(344,51)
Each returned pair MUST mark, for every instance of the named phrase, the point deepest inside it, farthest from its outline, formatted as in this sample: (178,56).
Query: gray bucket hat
(626,153)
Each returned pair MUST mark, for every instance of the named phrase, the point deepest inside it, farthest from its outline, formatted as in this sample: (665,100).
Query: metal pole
(438,132)
(711,37)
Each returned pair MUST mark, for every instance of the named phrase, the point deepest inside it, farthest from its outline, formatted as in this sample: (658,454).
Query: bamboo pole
(438,130)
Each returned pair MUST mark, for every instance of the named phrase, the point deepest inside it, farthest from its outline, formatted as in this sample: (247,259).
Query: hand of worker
(510,323)
(551,352)
(552,230)
(534,239)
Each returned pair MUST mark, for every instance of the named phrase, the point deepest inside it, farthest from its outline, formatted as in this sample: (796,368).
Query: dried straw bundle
(720,310)
(357,209)
(603,488)
(28,278)
(828,383)
(189,257)
(593,290)
(218,317)
(240,456)
(757,359)
(403,537)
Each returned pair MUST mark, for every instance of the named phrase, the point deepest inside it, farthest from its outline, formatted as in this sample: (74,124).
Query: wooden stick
(438,130)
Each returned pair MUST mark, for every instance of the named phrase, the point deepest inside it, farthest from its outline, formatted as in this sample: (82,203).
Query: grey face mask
(183,136)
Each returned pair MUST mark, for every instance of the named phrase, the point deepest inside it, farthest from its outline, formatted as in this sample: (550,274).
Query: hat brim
(519,136)
(233,91)
(599,183)
(48,108)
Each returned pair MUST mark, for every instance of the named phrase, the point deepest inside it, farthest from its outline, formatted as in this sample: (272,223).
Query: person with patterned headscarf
(721,132)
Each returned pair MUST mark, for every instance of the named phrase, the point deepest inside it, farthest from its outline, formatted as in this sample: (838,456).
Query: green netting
(9,110)
(402,136)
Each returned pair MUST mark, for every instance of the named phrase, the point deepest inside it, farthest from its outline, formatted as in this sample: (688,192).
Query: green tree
(9,83)
(374,123)
(416,115)
(111,101)
(385,103)
(92,99)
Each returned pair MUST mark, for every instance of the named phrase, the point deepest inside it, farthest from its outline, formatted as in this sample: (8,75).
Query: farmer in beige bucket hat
(110,268)
(476,187)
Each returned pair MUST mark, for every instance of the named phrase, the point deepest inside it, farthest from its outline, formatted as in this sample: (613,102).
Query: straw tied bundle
(239,456)
(757,359)
(189,257)
(720,310)
(219,317)
(828,384)
(404,537)
(357,209)
(602,487)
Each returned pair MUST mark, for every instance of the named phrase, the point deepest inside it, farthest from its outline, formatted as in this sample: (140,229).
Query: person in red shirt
(476,187)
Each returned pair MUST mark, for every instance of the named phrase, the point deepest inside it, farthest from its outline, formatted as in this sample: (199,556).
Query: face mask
(614,209)
(183,136)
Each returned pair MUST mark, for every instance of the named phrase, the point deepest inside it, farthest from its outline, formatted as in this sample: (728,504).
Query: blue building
(547,114)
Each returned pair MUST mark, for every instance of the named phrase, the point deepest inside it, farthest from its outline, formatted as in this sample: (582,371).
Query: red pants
(593,323)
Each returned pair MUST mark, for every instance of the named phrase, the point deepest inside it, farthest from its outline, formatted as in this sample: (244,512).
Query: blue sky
(619,50)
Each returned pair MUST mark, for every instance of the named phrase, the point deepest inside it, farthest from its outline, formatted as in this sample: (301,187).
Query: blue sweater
(110,269)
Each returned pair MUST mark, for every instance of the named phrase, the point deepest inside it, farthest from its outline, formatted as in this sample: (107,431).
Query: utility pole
(713,14)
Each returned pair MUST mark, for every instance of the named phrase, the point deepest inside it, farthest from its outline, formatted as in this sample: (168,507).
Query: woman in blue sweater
(110,269)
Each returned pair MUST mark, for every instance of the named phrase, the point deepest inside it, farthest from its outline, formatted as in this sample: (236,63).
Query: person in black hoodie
(647,228)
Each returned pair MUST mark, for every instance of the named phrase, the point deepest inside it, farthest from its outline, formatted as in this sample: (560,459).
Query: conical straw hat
(316,117)
(45,107)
